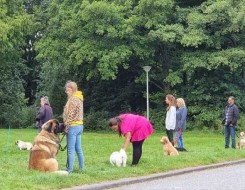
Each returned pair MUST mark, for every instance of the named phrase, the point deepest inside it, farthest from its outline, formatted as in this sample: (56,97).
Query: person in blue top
(181,115)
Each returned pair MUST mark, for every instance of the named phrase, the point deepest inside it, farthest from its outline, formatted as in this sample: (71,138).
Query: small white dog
(23,145)
(119,158)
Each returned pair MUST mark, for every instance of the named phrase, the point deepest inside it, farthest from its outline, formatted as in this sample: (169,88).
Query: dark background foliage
(195,48)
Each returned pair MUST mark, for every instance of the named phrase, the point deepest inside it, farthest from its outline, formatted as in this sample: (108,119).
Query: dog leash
(60,146)
(63,149)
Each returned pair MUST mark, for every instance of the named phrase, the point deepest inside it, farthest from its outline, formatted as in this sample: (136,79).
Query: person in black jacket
(231,114)
(44,114)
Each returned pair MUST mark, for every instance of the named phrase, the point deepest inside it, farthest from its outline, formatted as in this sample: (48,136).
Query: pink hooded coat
(139,127)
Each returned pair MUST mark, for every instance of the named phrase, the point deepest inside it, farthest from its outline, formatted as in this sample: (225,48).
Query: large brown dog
(168,148)
(45,148)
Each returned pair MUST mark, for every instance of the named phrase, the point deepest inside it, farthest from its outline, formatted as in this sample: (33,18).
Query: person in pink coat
(135,129)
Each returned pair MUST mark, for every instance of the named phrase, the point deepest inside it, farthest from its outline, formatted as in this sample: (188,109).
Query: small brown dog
(241,142)
(168,148)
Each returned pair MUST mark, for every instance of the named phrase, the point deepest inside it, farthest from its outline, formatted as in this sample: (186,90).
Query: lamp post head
(147,68)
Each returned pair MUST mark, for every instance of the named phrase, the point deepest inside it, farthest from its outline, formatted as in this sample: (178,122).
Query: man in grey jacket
(231,114)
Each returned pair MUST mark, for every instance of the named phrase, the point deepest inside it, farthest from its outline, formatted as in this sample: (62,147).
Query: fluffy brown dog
(168,148)
(241,142)
(45,148)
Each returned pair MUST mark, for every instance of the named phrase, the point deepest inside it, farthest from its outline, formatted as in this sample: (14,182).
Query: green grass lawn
(203,148)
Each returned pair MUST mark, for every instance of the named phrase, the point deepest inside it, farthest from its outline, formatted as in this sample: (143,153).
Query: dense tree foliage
(195,48)
(14,26)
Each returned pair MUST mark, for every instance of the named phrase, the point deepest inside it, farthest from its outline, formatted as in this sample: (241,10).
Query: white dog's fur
(119,158)
(23,145)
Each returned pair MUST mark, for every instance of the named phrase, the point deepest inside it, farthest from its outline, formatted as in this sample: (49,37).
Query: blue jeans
(230,132)
(74,143)
(179,139)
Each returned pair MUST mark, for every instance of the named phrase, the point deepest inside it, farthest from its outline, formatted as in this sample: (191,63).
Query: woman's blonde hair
(181,102)
(72,85)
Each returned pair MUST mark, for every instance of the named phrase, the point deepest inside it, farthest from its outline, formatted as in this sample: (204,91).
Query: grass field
(203,148)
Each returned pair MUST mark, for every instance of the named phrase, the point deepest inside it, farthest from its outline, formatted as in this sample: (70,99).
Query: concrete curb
(133,180)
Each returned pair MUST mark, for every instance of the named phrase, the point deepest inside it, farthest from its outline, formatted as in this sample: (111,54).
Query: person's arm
(235,115)
(183,117)
(126,141)
(41,114)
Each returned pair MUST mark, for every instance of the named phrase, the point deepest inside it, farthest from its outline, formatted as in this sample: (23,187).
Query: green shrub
(22,118)
(241,122)
(96,121)
(157,118)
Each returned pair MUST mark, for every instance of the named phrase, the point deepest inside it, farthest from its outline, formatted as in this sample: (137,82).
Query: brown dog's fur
(168,148)
(45,148)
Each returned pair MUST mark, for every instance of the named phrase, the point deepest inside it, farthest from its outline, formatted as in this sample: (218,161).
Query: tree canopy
(195,48)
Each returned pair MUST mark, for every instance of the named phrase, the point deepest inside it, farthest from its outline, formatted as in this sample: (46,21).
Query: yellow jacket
(73,111)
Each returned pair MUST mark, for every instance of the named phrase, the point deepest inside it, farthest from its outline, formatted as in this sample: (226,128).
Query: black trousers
(170,134)
(137,151)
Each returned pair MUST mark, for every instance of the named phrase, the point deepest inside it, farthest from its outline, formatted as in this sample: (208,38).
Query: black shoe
(183,149)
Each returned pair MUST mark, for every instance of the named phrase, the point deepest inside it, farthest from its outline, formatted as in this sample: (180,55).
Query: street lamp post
(147,69)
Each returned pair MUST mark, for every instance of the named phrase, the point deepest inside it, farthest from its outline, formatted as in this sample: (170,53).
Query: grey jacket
(231,115)
(45,113)
(181,115)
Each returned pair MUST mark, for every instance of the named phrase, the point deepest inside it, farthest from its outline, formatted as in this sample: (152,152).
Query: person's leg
(233,137)
(180,142)
(78,148)
(137,151)
(178,138)
(171,136)
(227,136)
(71,140)
(168,134)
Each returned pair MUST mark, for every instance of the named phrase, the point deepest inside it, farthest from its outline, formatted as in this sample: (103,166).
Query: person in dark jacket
(44,114)
(181,114)
(231,114)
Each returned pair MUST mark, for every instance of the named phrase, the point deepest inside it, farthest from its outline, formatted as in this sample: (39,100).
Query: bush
(157,118)
(26,117)
(96,121)
(241,122)
(22,118)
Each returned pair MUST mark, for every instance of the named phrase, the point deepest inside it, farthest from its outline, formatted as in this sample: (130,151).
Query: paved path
(225,176)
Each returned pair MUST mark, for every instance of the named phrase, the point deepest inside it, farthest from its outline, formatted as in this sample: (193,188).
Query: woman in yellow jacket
(73,119)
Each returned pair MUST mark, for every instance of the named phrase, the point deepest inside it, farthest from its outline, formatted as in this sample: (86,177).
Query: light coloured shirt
(170,121)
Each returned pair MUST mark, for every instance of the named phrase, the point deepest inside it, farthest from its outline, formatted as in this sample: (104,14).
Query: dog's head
(164,140)
(17,142)
(60,129)
(53,126)
(242,134)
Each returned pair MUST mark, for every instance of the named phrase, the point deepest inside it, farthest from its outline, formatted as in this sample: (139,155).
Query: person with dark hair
(135,129)
(170,120)
(44,114)
(231,114)
(73,120)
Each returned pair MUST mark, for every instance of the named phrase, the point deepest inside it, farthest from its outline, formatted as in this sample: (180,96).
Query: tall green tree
(14,25)
(195,48)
